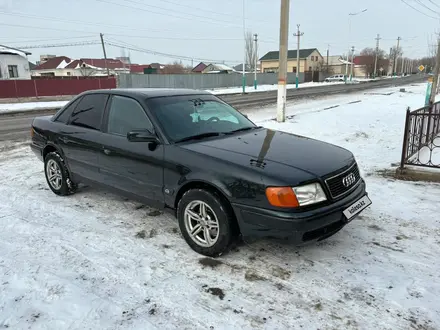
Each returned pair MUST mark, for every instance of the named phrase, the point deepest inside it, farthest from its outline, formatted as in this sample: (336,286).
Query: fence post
(428,130)
(35,87)
(16,90)
(405,139)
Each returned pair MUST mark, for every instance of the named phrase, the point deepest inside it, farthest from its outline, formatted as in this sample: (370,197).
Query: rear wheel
(206,222)
(57,175)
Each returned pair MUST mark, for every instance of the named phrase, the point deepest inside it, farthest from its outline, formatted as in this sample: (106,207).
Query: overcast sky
(212,29)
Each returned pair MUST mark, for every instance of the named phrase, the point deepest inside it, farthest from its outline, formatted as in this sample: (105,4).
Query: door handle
(107,152)
(64,139)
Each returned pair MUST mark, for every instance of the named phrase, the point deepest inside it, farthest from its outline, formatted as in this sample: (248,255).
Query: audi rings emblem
(349,180)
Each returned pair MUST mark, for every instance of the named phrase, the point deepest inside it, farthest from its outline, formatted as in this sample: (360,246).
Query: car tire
(57,175)
(218,214)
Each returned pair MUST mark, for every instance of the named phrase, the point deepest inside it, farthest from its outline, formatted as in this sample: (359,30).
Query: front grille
(343,182)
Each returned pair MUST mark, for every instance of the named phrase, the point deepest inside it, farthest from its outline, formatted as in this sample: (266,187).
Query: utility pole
(377,52)
(244,50)
(282,70)
(256,60)
(298,34)
(352,59)
(403,66)
(436,73)
(328,54)
(396,56)
(105,54)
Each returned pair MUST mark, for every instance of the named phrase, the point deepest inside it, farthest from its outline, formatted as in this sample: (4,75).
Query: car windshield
(185,117)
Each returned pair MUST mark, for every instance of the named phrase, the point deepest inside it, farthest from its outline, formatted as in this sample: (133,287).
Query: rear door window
(88,113)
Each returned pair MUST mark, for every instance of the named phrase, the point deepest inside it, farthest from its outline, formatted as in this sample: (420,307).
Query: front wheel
(206,222)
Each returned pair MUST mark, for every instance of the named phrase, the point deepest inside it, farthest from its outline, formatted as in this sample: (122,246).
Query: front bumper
(301,227)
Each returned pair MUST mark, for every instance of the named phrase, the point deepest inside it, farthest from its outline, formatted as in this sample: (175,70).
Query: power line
(62,20)
(417,10)
(72,44)
(425,6)
(113,34)
(210,21)
(434,3)
(122,44)
(203,10)
(44,40)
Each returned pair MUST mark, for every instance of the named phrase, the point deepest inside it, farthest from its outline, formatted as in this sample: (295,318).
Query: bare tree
(323,67)
(368,59)
(251,52)
(372,52)
(174,68)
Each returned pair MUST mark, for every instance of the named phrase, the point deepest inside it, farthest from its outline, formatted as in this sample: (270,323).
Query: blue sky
(212,29)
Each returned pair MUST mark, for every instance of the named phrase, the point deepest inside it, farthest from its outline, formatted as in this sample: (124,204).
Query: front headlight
(309,194)
(291,197)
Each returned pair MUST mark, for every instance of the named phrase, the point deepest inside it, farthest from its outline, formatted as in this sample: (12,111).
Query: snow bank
(265,88)
(28,106)
(97,261)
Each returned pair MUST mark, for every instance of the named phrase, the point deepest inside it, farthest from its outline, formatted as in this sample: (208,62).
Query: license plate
(357,207)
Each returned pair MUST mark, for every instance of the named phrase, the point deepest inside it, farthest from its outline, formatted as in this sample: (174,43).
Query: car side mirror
(142,135)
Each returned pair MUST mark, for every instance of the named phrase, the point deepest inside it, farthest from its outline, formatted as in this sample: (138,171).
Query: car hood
(315,157)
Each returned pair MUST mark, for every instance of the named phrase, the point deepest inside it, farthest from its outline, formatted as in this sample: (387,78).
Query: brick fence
(52,87)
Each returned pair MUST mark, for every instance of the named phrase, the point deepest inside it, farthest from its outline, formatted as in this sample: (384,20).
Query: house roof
(275,55)
(199,67)
(101,63)
(240,67)
(219,67)
(9,50)
(59,62)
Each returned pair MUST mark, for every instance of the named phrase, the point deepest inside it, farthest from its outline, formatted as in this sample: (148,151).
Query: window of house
(313,58)
(125,115)
(68,73)
(13,71)
(310,68)
(89,111)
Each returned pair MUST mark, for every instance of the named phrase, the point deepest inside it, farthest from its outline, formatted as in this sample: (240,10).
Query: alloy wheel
(54,175)
(201,223)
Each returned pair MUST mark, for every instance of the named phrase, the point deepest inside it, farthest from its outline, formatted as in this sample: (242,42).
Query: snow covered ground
(97,261)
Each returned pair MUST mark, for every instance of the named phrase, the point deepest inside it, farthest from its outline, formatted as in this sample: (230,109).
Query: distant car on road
(336,77)
(190,152)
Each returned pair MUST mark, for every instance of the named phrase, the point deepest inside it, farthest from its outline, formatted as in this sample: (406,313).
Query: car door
(133,167)
(80,139)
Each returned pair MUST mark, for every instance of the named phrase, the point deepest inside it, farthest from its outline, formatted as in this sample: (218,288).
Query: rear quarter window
(65,114)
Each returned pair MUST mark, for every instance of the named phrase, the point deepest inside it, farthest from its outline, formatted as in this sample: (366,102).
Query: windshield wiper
(199,136)
(245,129)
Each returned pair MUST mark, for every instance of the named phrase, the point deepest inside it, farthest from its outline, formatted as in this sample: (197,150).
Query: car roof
(149,92)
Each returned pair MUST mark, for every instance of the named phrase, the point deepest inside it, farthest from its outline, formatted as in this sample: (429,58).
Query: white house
(14,63)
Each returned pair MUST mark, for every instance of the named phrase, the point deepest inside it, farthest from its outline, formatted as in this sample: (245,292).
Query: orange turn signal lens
(281,197)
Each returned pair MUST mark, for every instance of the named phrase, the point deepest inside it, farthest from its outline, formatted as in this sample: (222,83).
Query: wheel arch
(50,148)
(200,184)
(212,187)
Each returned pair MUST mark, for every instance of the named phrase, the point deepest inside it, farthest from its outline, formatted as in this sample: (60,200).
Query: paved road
(16,127)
